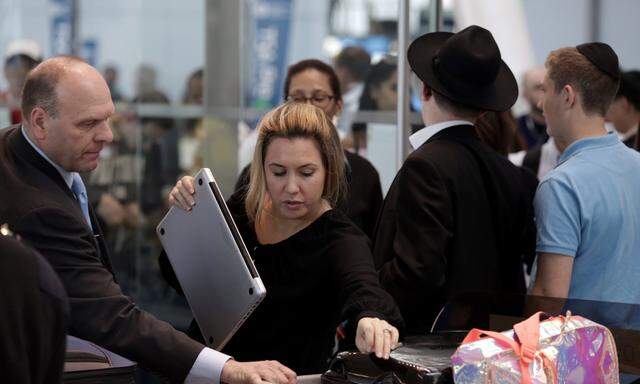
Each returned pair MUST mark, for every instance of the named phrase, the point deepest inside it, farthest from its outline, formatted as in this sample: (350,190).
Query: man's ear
(568,96)
(626,105)
(38,121)
(426,92)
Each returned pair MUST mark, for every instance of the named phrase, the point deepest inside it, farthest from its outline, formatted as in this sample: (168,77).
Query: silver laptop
(211,262)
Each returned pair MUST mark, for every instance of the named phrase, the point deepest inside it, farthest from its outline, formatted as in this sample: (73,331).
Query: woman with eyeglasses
(380,94)
(315,82)
(315,263)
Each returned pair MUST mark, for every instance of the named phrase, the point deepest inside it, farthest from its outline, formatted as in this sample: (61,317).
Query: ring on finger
(386,331)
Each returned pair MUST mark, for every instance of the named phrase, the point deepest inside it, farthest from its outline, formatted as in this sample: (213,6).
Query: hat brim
(500,95)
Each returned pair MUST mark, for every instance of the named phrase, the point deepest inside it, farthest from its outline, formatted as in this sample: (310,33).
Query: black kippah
(602,56)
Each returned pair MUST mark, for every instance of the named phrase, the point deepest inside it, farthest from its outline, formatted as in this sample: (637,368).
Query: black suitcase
(420,360)
(86,362)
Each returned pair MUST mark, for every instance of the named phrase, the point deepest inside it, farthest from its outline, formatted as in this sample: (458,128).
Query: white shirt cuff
(207,367)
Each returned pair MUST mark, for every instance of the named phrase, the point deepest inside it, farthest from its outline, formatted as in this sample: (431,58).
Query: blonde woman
(315,263)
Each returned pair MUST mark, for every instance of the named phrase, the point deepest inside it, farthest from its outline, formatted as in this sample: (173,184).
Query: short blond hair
(567,66)
(297,120)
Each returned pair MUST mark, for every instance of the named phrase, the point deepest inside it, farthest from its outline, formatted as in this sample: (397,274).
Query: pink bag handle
(528,333)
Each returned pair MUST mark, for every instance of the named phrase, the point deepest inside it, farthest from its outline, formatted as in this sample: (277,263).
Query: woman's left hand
(375,335)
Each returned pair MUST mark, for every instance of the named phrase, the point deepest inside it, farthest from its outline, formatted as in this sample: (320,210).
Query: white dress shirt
(208,365)
(424,134)
(350,106)
(549,155)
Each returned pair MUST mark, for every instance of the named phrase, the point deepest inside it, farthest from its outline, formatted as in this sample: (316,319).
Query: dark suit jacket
(458,218)
(34,315)
(47,216)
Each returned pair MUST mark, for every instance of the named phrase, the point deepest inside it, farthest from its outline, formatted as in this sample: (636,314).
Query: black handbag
(86,362)
(420,360)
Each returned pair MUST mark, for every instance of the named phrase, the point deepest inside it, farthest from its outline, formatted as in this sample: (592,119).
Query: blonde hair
(297,120)
(567,66)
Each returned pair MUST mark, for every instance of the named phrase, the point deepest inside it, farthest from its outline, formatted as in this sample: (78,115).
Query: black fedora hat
(466,67)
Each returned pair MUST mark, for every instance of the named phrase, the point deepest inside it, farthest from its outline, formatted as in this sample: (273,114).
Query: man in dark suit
(34,314)
(66,106)
(458,216)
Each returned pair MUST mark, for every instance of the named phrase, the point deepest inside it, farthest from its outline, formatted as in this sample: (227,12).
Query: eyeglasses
(319,99)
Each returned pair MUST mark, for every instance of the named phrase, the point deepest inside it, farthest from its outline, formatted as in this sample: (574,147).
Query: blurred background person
(542,159)
(159,146)
(113,188)
(498,130)
(192,132)
(111,77)
(624,112)
(380,94)
(532,127)
(352,66)
(146,88)
(313,81)
(21,56)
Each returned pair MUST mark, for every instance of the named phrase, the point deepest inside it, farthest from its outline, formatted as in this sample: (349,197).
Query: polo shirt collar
(609,139)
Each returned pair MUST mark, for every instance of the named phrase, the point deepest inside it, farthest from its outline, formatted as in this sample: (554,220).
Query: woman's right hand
(183,194)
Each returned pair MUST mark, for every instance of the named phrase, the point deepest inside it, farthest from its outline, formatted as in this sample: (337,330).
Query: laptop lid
(211,262)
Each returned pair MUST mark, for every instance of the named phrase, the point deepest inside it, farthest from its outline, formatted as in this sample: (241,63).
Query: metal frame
(404,116)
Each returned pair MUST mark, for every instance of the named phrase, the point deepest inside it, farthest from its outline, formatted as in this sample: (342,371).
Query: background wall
(170,34)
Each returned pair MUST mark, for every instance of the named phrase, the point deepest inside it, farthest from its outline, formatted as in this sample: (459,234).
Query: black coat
(48,217)
(34,314)
(458,218)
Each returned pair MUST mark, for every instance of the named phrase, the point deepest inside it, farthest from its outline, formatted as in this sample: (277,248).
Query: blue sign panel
(61,27)
(271,23)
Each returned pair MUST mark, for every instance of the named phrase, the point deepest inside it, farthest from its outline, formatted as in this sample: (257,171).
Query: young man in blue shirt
(588,207)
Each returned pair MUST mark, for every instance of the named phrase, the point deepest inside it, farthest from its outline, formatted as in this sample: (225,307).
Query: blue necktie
(77,186)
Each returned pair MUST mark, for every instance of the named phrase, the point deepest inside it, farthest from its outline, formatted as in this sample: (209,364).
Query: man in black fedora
(458,216)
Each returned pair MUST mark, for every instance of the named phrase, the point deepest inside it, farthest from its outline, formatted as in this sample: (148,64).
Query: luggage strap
(526,345)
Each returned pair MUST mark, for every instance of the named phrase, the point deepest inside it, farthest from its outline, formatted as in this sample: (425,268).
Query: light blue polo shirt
(588,208)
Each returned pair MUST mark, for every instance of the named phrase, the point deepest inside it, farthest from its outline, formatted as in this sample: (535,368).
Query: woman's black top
(315,279)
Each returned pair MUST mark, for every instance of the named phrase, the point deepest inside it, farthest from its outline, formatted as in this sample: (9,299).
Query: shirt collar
(66,176)
(581,145)
(421,137)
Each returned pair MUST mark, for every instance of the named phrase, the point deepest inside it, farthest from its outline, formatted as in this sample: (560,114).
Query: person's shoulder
(559,181)
(361,168)
(633,154)
(340,235)
(356,160)
(25,261)
(337,226)
(572,170)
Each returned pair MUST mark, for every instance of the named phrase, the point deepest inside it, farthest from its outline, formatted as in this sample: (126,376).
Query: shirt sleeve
(207,368)
(558,218)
